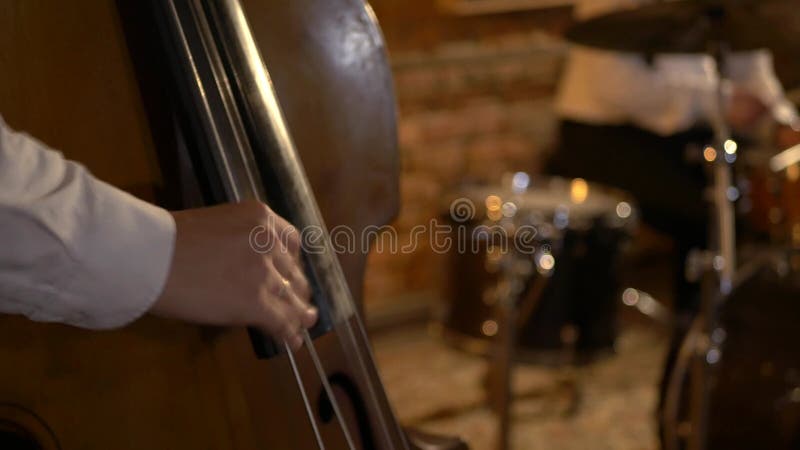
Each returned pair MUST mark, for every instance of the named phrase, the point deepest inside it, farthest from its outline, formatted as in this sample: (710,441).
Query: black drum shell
(581,292)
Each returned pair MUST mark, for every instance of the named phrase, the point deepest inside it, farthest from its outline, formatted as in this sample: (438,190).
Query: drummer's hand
(744,109)
(218,278)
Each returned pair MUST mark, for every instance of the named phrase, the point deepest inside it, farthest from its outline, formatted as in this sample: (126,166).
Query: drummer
(627,121)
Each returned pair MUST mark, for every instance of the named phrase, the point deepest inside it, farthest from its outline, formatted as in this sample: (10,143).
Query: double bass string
(367,378)
(306,403)
(312,350)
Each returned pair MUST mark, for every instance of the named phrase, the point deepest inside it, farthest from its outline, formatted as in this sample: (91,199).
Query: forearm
(72,248)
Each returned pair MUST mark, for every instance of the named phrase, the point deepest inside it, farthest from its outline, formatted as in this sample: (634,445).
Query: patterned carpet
(439,389)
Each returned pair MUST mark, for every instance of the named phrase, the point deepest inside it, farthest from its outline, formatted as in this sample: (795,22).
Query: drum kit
(550,296)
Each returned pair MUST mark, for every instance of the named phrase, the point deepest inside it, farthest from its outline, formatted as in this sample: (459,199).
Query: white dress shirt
(74,249)
(670,95)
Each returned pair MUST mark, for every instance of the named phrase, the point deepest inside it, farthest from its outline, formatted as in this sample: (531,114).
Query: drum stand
(701,347)
(517,271)
(509,291)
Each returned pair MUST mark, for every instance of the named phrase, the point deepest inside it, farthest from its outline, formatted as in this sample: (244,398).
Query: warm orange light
(489,328)
(494,214)
(709,154)
(493,203)
(579,190)
(547,262)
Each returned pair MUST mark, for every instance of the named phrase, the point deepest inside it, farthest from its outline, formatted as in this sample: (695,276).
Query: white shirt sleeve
(74,249)
(755,72)
(610,88)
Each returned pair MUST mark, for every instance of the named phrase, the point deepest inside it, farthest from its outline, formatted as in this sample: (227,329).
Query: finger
(285,263)
(296,342)
(305,313)
(296,307)
(300,285)
(292,271)
(273,320)
(278,228)
(288,235)
(291,329)
(280,222)
(289,294)
(310,317)
(277,272)
(290,238)
(277,315)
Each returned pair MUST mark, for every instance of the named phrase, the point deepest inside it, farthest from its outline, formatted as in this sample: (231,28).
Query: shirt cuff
(124,260)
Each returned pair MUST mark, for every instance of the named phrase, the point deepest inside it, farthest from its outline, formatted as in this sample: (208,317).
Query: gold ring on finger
(284,288)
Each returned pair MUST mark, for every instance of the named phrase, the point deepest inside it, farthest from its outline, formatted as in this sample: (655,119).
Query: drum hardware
(516,271)
(512,308)
(648,306)
(716,270)
(700,262)
(675,431)
(718,282)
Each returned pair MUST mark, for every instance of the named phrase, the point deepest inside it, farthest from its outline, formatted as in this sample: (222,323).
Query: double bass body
(78,77)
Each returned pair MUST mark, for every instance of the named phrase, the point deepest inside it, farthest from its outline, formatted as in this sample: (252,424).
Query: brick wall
(475,101)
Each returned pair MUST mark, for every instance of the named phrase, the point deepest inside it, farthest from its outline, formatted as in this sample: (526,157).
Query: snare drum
(571,232)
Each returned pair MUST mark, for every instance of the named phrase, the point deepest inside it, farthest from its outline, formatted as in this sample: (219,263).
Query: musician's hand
(219,277)
(744,109)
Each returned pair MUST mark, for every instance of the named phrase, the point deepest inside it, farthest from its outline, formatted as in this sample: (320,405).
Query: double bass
(190,102)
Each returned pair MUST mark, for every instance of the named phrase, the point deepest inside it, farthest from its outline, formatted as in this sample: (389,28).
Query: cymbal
(684,26)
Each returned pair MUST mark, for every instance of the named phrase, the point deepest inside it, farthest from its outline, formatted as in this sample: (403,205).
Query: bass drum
(755,394)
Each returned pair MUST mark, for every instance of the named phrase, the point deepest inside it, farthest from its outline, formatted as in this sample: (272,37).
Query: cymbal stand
(717,283)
